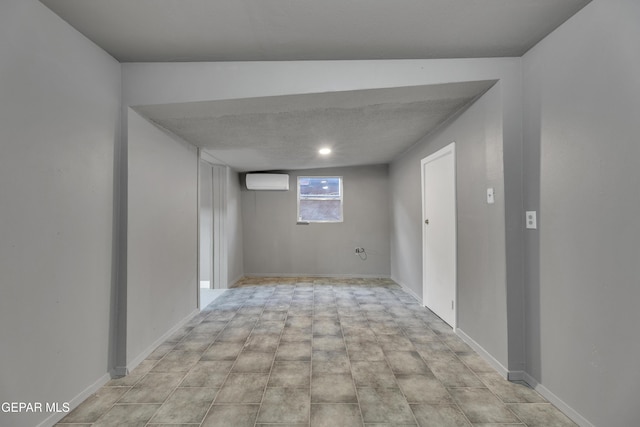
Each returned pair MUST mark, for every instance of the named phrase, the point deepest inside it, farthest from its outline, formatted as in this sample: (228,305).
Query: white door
(439,233)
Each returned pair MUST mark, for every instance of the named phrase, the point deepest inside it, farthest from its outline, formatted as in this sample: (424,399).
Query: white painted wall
(477,132)
(59,108)
(582,104)
(162,235)
(275,245)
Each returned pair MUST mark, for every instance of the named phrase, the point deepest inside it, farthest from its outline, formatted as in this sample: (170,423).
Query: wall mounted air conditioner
(267,181)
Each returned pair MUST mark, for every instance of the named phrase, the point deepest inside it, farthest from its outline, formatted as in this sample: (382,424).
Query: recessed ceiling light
(324,151)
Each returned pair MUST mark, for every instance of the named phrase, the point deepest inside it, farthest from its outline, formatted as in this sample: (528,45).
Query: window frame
(341,198)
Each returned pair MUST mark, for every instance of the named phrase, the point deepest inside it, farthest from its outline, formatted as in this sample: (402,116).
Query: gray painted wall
(580,87)
(482,310)
(59,108)
(235,260)
(582,94)
(162,235)
(159,83)
(206,222)
(274,244)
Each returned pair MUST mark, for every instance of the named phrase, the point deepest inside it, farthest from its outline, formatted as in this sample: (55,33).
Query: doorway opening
(212,273)
(205,225)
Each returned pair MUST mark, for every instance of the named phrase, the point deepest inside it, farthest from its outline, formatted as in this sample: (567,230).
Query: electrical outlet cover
(531,220)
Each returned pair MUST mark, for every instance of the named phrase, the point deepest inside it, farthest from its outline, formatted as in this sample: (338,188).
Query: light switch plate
(531,221)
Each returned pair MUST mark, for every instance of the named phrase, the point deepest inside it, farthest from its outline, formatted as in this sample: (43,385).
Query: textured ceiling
(259,30)
(363,127)
(285,132)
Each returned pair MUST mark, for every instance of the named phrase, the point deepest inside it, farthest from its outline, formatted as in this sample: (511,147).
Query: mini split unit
(267,181)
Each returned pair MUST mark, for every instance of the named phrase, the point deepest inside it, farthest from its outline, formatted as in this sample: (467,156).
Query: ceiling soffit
(285,132)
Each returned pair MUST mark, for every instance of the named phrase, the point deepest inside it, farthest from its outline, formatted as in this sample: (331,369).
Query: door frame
(447,150)
(219,264)
(201,219)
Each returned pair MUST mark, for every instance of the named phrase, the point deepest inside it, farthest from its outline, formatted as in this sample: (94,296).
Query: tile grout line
(189,370)
(340,292)
(350,366)
(455,403)
(386,359)
(232,365)
(266,385)
(312,319)
(481,382)
(131,388)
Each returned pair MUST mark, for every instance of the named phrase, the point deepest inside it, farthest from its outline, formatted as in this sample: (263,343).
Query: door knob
(426,221)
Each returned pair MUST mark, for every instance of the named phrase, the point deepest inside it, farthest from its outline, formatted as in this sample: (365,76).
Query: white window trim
(341,200)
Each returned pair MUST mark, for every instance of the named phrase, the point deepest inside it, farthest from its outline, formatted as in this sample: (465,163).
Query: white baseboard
(332,276)
(552,398)
(117,371)
(408,290)
(492,361)
(524,376)
(77,400)
(495,364)
(142,356)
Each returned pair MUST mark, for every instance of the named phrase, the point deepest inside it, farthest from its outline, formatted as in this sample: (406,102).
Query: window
(320,198)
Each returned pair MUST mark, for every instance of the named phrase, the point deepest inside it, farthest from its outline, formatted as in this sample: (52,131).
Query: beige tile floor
(315,352)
